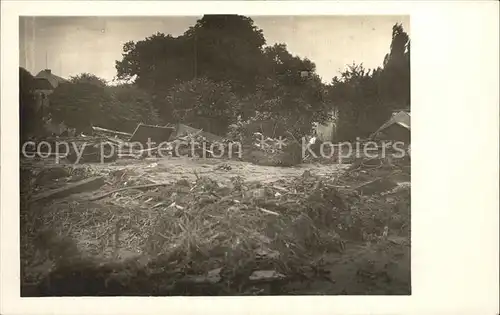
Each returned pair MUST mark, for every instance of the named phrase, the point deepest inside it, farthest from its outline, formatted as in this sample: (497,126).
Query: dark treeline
(219,72)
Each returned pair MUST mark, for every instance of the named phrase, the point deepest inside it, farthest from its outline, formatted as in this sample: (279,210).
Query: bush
(88,101)
(203,104)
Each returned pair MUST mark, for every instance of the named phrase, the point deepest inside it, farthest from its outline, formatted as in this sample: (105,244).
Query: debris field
(213,227)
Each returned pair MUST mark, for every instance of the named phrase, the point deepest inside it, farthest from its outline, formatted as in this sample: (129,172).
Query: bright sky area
(73,45)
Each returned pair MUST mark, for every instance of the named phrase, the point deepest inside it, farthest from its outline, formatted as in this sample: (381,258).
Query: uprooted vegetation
(208,237)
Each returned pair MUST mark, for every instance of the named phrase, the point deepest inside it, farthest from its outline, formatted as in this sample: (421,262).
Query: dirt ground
(376,263)
(176,168)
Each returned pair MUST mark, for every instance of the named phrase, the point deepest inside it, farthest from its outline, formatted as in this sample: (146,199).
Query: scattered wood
(99,129)
(267,253)
(187,136)
(88,184)
(269,211)
(266,275)
(282,189)
(126,188)
(182,131)
(376,186)
(212,277)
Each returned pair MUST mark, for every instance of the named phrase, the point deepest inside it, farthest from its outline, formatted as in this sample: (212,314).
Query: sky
(73,45)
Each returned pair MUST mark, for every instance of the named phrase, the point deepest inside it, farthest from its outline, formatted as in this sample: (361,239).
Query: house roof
(53,79)
(401,118)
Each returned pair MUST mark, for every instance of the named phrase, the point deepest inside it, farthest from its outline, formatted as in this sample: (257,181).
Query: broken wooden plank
(268,211)
(377,185)
(88,184)
(127,188)
(111,131)
(266,275)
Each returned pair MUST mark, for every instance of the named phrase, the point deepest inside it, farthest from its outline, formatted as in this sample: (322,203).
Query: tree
(226,50)
(26,88)
(221,48)
(129,107)
(365,98)
(80,102)
(204,104)
(27,104)
(395,77)
(286,68)
(356,96)
(88,78)
(292,92)
(87,100)
(157,62)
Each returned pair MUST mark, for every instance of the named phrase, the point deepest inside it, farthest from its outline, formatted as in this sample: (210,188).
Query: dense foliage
(27,107)
(205,104)
(365,98)
(220,72)
(87,100)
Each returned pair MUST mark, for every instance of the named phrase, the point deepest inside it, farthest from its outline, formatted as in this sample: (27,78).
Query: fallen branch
(92,183)
(127,188)
(366,183)
(269,211)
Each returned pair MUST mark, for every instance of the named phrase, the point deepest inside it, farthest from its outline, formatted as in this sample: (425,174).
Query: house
(53,79)
(396,128)
(45,84)
(326,132)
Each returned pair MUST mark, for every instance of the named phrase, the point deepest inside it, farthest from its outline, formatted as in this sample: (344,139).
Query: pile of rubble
(175,238)
(104,145)
(269,151)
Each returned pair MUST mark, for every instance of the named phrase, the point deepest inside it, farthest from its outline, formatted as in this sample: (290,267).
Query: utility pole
(195,56)
(32,45)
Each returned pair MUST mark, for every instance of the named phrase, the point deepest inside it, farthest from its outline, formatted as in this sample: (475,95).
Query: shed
(396,128)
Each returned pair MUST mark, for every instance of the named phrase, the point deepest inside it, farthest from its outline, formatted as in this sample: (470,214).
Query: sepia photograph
(227,157)
(214,155)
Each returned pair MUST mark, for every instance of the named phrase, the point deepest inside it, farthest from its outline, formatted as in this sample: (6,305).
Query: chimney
(48,71)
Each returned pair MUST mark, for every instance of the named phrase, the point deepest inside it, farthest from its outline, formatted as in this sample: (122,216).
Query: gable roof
(53,79)
(401,118)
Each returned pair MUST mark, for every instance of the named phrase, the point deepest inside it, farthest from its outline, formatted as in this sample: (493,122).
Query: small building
(53,79)
(327,131)
(397,128)
(45,84)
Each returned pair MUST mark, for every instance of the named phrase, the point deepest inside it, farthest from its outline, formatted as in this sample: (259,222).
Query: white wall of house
(327,131)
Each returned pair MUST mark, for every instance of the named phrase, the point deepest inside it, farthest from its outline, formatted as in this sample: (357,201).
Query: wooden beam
(88,184)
